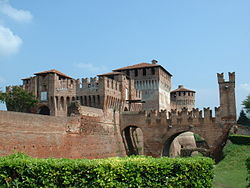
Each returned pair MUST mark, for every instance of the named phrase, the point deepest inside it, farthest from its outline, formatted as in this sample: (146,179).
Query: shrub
(19,170)
(248,171)
(240,139)
(198,138)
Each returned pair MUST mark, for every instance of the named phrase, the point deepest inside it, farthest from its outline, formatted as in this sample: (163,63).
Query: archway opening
(185,144)
(44,110)
(133,140)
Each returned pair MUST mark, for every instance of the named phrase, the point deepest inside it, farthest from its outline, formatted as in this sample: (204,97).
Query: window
(127,72)
(126,94)
(44,87)
(144,72)
(136,72)
(44,96)
(153,71)
(98,99)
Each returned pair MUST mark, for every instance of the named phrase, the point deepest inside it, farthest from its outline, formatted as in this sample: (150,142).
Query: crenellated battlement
(92,82)
(221,78)
(175,118)
(65,84)
(112,84)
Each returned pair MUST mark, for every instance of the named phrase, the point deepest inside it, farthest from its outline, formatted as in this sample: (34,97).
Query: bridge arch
(133,140)
(173,144)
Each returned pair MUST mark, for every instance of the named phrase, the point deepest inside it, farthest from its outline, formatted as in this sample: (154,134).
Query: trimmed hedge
(248,170)
(19,170)
(239,139)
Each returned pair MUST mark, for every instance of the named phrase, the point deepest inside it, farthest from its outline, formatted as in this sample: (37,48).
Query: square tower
(153,81)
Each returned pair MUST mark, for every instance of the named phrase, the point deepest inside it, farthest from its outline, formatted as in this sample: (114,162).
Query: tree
(243,119)
(17,99)
(1,96)
(246,104)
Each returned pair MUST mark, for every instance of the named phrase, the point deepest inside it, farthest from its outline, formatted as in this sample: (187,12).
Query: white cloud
(245,87)
(9,42)
(22,16)
(88,67)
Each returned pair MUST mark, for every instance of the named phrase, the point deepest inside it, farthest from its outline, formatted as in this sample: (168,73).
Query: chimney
(180,86)
(154,61)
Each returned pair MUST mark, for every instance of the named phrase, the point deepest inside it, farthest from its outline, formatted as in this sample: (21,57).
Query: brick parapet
(195,117)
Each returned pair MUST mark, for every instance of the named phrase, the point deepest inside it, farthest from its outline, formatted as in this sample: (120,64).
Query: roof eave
(44,73)
(124,69)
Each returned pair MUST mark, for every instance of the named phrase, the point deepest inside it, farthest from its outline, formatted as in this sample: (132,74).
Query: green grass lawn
(231,172)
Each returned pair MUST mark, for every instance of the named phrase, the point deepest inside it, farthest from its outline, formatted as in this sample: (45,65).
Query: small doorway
(44,110)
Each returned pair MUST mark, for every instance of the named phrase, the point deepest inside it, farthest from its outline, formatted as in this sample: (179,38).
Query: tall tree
(243,119)
(17,99)
(246,104)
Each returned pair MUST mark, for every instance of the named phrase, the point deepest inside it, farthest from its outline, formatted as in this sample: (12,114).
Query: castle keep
(131,110)
(144,86)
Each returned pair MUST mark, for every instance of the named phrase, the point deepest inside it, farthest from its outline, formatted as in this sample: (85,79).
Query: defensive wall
(91,135)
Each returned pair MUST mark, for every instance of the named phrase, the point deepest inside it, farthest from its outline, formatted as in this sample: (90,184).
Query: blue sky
(192,39)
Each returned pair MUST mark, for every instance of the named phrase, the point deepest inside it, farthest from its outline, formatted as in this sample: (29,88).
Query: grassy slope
(231,172)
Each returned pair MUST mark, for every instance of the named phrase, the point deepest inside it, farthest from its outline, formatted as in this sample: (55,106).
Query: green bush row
(240,139)
(19,170)
(248,170)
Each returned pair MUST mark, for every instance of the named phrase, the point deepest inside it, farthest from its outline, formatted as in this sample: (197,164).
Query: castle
(144,86)
(131,110)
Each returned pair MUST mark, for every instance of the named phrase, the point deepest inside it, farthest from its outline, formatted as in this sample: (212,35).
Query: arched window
(62,103)
(89,101)
(85,101)
(81,100)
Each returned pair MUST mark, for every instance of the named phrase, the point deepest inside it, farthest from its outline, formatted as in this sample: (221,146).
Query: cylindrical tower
(182,98)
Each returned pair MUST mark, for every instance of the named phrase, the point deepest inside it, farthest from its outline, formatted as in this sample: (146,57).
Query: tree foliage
(17,99)
(246,104)
(243,119)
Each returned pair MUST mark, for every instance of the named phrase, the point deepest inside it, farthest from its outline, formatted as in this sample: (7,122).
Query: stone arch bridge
(159,129)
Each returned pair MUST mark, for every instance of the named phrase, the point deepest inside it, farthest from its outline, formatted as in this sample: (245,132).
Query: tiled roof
(136,66)
(110,73)
(182,89)
(53,71)
(141,65)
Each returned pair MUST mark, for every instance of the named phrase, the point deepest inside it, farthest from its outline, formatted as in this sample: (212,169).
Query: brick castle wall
(83,136)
